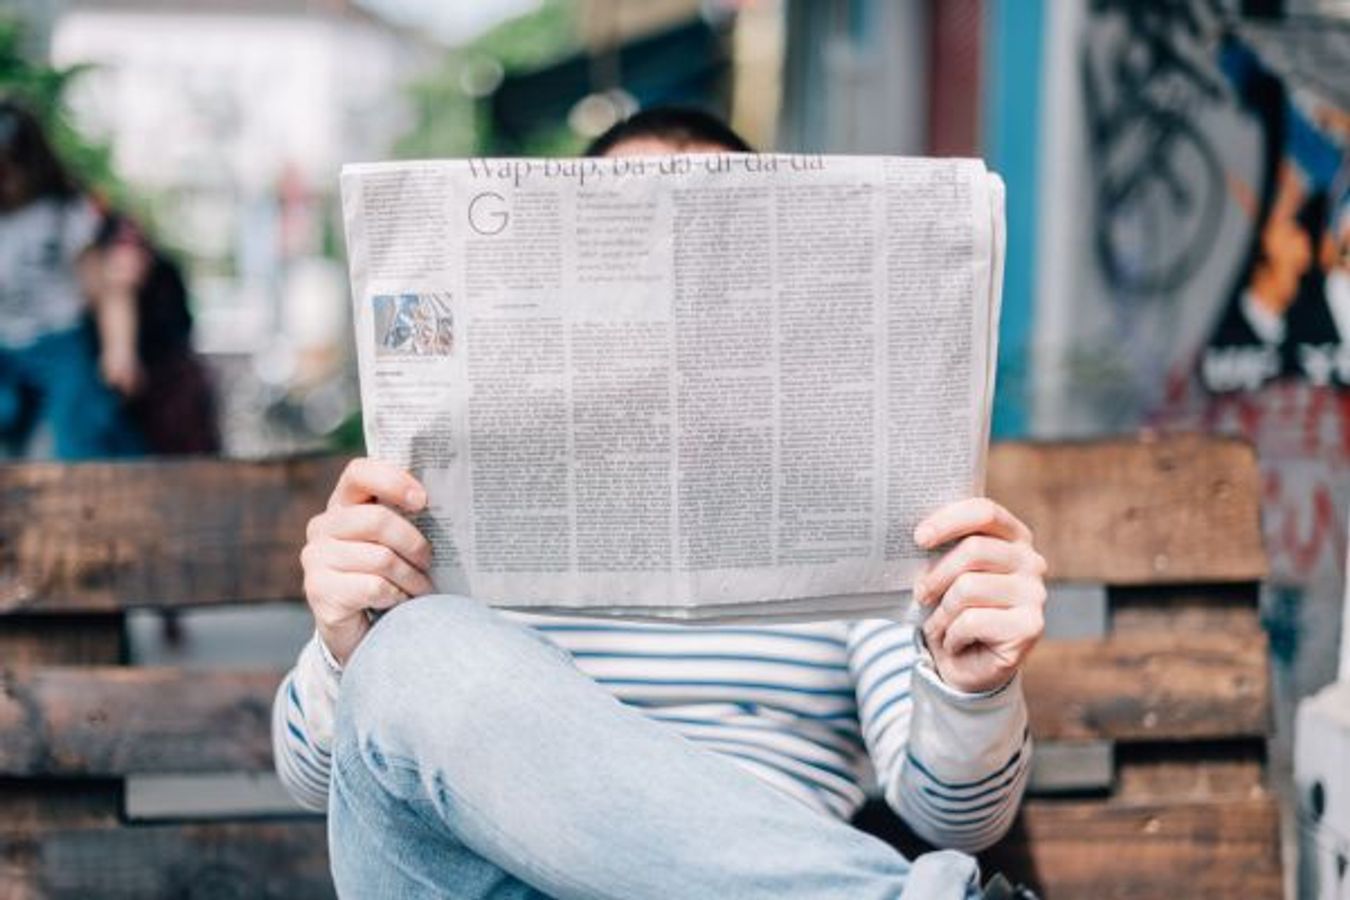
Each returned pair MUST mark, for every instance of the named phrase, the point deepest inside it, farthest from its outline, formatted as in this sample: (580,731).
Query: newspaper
(701,387)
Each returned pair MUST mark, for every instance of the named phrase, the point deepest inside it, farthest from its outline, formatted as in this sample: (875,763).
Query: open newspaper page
(707,387)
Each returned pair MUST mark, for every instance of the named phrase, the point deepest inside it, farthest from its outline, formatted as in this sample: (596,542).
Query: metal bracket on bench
(1078,767)
(227,795)
(1076,609)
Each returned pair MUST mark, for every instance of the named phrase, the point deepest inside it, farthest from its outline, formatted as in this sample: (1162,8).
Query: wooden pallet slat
(1149,686)
(1181,509)
(107,536)
(1130,851)
(103,537)
(104,721)
(1191,772)
(1163,702)
(115,720)
(257,860)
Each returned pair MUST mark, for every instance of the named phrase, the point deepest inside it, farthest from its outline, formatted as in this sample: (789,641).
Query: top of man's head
(678,128)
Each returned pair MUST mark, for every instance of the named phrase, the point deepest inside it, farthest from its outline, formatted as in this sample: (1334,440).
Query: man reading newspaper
(462,751)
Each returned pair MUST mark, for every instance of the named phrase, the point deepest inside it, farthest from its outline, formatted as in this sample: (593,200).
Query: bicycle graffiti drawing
(1160,187)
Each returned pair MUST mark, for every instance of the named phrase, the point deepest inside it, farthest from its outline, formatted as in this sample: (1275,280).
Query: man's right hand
(360,554)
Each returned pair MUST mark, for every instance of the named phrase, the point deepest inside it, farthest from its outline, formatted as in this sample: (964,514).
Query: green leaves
(44,89)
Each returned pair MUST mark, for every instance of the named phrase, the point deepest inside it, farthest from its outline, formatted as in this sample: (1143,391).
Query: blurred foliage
(43,88)
(450,121)
(350,436)
(445,118)
(537,38)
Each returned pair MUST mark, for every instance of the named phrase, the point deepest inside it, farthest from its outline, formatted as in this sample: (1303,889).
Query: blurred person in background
(465,752)
(52,275)
(173,405)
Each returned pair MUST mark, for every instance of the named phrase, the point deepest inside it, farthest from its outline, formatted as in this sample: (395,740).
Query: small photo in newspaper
(413,325)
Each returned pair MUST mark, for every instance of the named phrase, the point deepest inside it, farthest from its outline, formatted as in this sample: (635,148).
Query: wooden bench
(1150,698)
(1151,722)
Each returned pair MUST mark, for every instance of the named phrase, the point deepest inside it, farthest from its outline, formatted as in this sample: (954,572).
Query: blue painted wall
(1012,128)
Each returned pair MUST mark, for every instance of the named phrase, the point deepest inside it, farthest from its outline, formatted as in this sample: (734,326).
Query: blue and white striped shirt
(821,711)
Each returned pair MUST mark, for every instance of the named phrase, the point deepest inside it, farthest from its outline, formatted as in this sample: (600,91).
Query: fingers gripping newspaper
(708,387)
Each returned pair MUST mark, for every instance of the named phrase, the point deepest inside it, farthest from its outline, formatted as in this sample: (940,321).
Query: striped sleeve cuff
(302,726)
(967,762)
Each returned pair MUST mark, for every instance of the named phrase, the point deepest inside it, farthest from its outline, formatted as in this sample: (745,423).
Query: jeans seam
(395,862)
(503,838)
(498,836)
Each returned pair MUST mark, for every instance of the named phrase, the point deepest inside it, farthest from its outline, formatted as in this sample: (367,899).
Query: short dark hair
(679,125)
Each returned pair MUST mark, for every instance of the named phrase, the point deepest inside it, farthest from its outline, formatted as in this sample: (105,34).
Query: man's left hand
(987,594)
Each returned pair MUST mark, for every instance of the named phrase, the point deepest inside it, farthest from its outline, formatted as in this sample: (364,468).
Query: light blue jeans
(472,759)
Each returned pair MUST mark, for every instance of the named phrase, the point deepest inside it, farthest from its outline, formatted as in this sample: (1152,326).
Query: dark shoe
(1000,888)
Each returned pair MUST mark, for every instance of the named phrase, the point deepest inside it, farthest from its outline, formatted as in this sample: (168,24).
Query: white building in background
(234,117)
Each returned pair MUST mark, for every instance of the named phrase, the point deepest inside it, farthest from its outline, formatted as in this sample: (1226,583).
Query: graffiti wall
(1210,278)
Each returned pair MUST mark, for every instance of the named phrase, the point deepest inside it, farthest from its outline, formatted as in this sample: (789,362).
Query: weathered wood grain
(1136,851)
(1176,509)
(112,720)
(1113,849)
(29,809)
(1149,686)
(110,535)
(1180,683)
(1191,772)
(254,860)
(120,720)
(107,536)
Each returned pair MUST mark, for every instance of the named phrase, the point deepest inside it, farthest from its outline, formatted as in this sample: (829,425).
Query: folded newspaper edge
(704,388)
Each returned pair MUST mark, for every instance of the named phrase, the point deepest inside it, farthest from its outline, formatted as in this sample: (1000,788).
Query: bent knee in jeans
(436,665)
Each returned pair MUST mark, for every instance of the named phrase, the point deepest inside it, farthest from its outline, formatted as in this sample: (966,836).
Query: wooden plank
(1160,851)
(70,640)
(29,808)
(1178,509)
(105,536)
(1216,609)
(263,860)
(1067,850)
(1090,850)
(1146,686)
(1107,849)
(119,720)
(1232,770)
(115,720)
(26,805)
